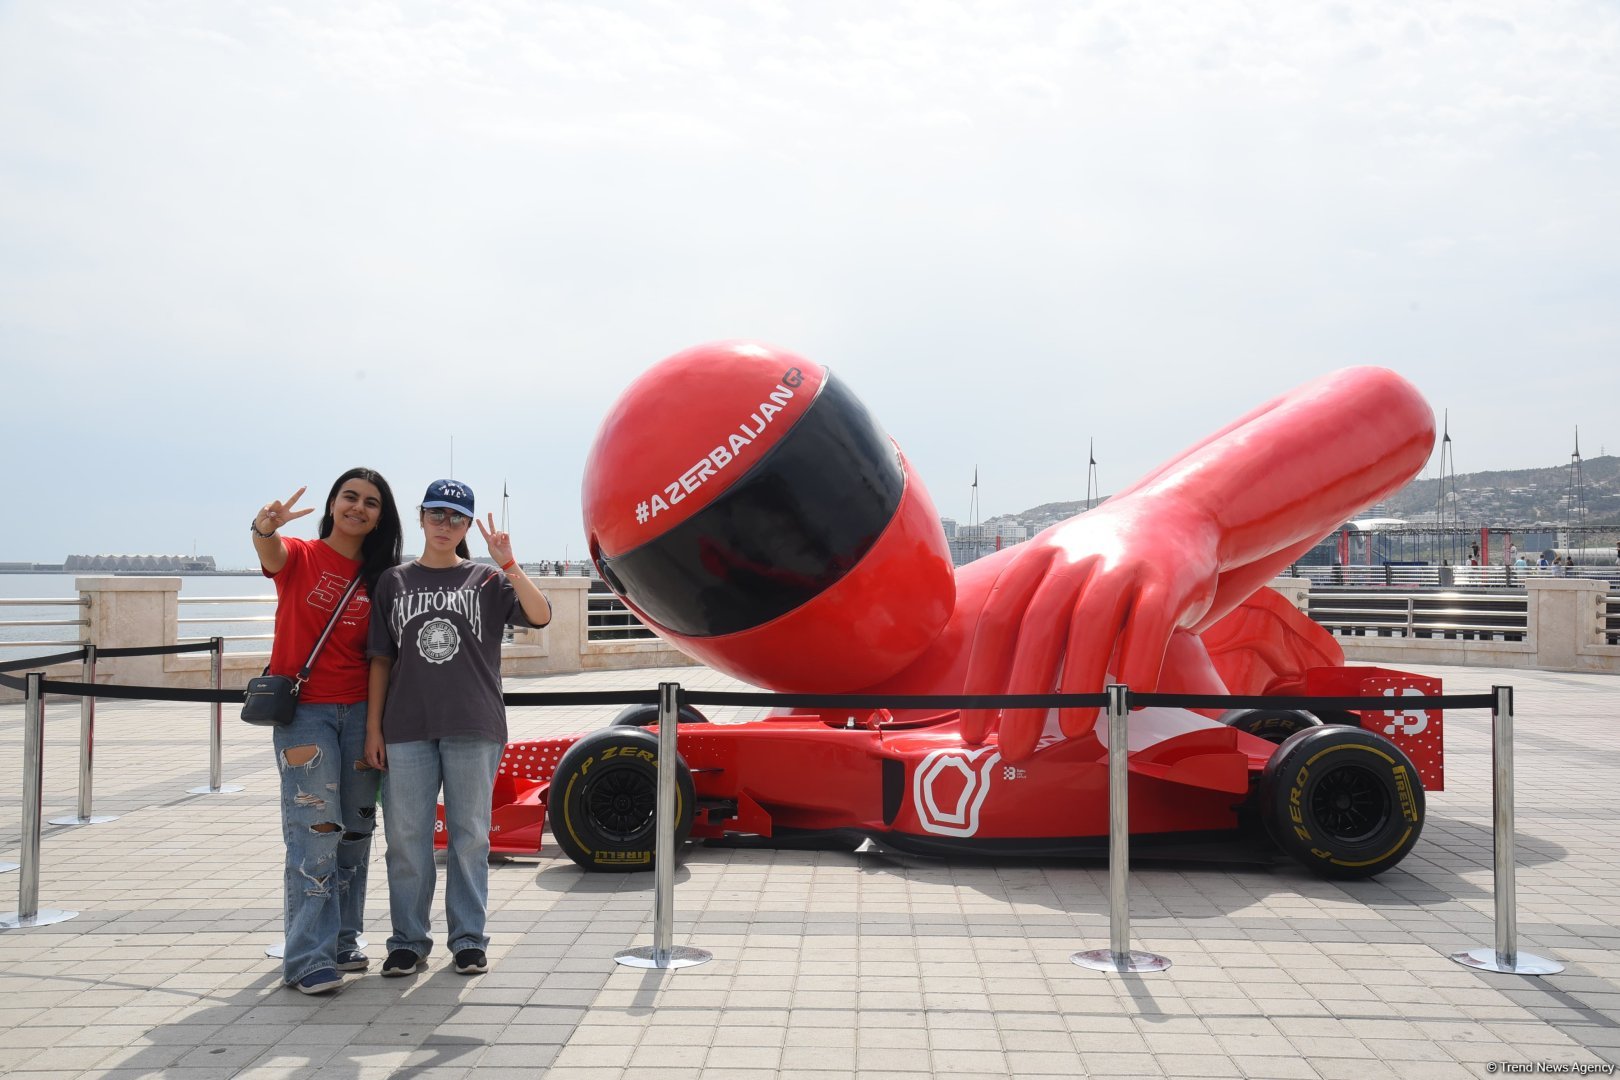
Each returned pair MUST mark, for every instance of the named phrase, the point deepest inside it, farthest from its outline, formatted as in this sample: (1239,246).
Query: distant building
(976,541)
(139,564)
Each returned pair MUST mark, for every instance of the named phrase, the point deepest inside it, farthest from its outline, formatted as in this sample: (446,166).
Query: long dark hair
(383,546)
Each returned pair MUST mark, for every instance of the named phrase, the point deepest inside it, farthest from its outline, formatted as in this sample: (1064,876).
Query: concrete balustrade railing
(1569,625)
(1564,631)
(142,611)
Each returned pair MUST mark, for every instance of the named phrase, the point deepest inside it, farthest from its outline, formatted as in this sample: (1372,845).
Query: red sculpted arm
(1103,592)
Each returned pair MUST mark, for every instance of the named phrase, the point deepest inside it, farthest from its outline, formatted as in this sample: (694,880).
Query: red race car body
(1345,797)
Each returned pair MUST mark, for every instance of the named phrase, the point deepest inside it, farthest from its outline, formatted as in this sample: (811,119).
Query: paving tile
(829,964)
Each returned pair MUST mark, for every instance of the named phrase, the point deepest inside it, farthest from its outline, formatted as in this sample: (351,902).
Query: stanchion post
(664,855)
(1505,956)
(663,954)
(1118,956)
(87,749)
(216,731)
(216,765)
(28,912)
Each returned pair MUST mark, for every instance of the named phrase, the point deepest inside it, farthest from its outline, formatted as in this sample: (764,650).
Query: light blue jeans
(328,812)
(465,767)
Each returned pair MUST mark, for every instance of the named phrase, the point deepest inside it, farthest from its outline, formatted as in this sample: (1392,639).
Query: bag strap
(320,643)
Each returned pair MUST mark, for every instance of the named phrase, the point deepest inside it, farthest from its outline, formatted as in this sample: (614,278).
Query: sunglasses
(446,517)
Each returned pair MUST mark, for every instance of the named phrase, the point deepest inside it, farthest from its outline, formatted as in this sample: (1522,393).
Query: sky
(244,246)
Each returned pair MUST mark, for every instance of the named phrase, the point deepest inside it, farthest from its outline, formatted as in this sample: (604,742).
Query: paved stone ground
(826,964)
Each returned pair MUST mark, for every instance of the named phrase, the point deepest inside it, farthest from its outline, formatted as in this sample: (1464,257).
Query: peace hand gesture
(276,513)
(500,543)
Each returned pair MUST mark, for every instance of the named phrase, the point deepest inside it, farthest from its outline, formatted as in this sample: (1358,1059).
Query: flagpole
(1092,485)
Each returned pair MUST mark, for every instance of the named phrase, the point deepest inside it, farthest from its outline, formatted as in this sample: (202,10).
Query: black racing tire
(643,715)
(1344,802)
(1272,725)
(604,797)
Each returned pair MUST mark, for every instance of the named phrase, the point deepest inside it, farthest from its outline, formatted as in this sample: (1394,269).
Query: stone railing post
(1296,590)
(563,640)
(130,612)
(1562,620)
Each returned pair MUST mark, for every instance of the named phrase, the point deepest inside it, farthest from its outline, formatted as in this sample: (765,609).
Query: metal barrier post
(1506,955)
(662,954)
(1118,956)
(28,912)
(216,733)
(87,749)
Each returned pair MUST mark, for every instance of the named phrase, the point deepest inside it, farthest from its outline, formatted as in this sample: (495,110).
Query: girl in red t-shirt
(328,794)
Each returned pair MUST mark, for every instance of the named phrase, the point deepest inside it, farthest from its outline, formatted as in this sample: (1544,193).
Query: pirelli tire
(644,715)
(603,800)
(1344,802)
(1272,725)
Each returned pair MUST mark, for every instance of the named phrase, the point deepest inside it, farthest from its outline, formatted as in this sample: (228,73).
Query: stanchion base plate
(678,956)
(1523,963)
(93,819)
(279,949)
(1109,960)
(43,917)
(204,789)
(7,867)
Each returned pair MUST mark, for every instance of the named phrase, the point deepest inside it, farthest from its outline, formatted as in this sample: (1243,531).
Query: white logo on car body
(961,817)
(1408,721)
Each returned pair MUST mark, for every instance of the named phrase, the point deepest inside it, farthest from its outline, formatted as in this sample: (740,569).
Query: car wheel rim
(621,803)
(1350,804)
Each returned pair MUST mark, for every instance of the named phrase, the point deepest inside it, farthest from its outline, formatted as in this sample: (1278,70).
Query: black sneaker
(403,962)
(352,960)
(323,981)
(471,962)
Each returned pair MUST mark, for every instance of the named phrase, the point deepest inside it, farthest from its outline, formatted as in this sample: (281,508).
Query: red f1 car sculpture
(749,508)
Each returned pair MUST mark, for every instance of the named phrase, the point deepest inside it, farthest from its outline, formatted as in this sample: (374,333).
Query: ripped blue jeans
(328,811)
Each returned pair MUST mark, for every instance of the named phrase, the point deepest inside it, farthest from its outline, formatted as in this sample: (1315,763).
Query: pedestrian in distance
(436,721)
(328,800)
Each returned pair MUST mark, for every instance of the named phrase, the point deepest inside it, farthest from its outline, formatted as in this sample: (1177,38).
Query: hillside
(1519,496)
(1507,498)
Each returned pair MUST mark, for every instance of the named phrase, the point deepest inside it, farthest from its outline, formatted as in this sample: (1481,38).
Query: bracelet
(508,566)
(253,527)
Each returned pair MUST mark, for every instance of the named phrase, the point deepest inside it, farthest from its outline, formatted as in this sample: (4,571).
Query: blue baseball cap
(449,494)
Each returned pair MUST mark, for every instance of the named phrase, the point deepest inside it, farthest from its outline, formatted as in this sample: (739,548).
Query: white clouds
(1070,217)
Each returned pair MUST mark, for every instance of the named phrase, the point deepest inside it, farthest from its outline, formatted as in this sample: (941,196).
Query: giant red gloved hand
(1103,594)
(1098,594)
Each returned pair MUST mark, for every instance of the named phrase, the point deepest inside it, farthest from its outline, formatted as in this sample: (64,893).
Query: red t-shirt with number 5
(307,589)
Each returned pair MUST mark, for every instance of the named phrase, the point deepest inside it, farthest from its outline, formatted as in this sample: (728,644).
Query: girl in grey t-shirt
(435,720)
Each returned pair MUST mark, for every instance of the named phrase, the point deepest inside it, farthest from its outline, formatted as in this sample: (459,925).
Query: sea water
(63,587)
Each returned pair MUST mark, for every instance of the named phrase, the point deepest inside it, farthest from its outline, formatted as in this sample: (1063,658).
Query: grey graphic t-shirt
(442,628)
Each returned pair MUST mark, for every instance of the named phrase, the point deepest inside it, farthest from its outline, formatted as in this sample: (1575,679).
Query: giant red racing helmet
(746,505)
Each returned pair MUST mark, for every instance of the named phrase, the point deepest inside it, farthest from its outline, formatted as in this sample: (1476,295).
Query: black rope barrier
(34,663)
(763,699)
(582,697)
(157,650)
(896,701)
(1255,701)
(134,693)
(1079,701)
